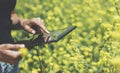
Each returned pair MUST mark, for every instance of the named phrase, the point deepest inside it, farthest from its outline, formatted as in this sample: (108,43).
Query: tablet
(53,36)
(59,34)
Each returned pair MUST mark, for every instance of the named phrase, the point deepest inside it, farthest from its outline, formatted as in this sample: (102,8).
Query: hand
(9,53)
(37,22)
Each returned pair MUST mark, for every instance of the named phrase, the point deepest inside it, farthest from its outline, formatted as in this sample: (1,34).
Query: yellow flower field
(93,47)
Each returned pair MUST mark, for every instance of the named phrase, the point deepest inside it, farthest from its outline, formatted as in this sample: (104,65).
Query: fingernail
(22,45)
(33,32)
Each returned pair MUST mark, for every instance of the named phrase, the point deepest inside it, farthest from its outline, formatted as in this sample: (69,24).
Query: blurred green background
(94,47)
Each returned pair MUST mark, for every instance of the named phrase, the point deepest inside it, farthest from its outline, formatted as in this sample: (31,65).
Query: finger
(40,24)
(12,53)
(40,21)
(29,29)
(42,28)
(12,56)
(13,46)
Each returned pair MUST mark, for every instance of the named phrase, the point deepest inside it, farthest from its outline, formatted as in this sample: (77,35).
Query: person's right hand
(9,53)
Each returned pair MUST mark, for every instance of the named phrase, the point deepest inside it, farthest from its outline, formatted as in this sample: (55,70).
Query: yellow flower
(115,35)
(112,9)
(35,71)
(116,62)
(107,26)
(78,24)
(116,18)
(23,51)
(99,20)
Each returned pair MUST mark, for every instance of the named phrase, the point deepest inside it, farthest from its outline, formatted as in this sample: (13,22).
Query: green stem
(117,9)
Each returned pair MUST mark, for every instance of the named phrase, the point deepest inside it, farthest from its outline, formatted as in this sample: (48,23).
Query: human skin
(9,53)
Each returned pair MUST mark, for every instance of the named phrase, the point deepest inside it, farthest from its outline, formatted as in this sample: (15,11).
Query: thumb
(29,29)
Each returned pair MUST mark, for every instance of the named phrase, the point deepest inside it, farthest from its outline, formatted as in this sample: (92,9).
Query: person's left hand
(34,22)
